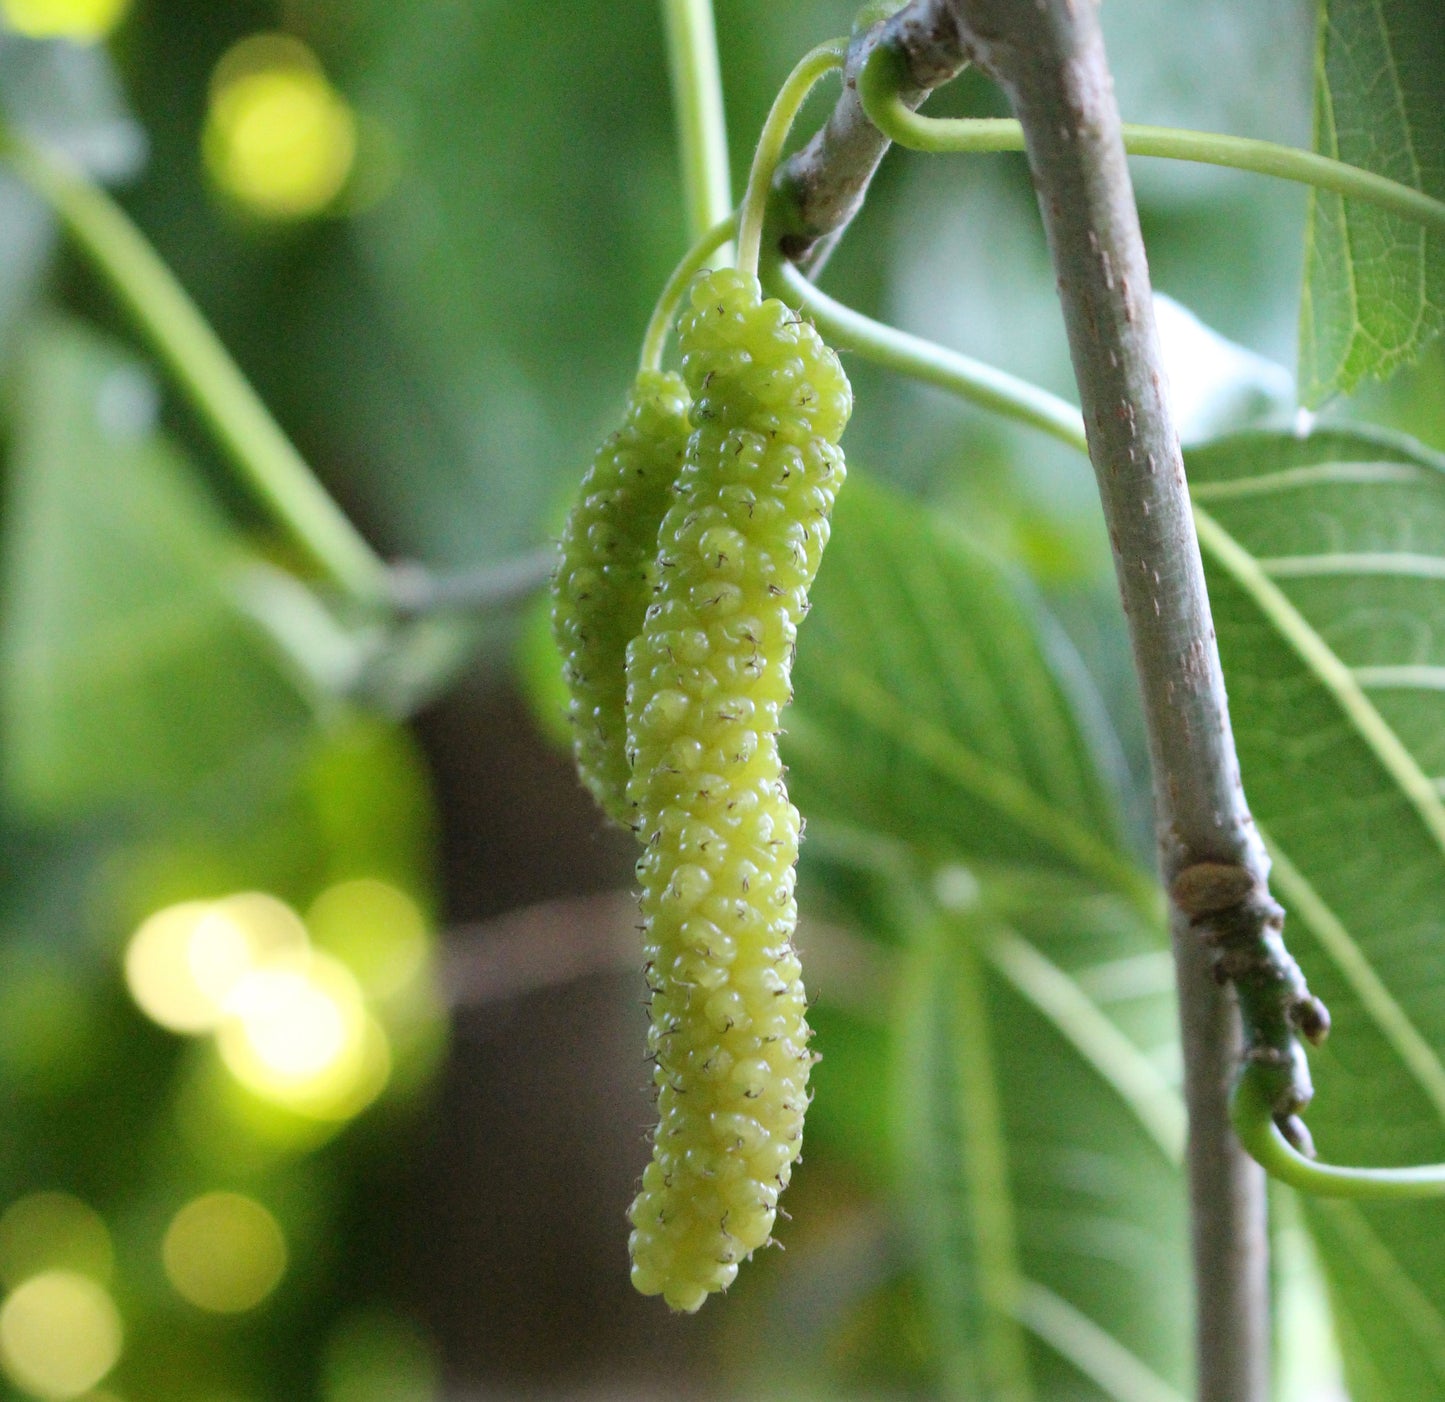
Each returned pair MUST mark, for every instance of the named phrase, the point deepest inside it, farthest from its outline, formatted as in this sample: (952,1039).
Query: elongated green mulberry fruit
(707,680)
(603,585)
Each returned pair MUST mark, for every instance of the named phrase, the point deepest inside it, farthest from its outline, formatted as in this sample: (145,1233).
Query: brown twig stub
(1242,929)
(821,187)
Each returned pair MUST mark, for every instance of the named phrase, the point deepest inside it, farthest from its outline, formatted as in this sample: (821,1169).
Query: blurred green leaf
(1306,1354)
(27,234)
(358,804)
(848,1117)
(368,794)
(1046,1198)
(506,353)
(937,703)
(1326,561)
(127,675)
(539,672)
(1374,289)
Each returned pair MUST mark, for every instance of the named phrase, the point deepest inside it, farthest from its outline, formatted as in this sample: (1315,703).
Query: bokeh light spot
(224,1252)
(279,139)
(376,930)
(288,1026)
(60,1334)
(85,20)
(158,970)
(185,961)
(299,1034)
(266,927)
(53,1231)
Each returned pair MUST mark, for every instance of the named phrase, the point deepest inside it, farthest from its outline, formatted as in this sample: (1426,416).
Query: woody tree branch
(1049,57)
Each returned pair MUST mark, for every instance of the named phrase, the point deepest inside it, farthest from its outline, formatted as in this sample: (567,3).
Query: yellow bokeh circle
(60,1334)
(185,961)
(279,140)
(224,1253)
(85,20)
(298,1033)
(376,930)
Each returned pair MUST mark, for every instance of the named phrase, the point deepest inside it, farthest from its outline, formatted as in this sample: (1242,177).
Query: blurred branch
(231,408)
(204,370)
(414,589)
(543,946)
(555,943)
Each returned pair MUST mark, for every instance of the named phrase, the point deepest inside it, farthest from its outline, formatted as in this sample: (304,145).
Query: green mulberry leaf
(128,675)
(1326,564)
(1374,288)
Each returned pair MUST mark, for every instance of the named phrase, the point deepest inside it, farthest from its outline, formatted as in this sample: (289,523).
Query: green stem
(881,76)
(702,136)
(654,340)
(201,366)
(812,66)
(933,364)
(1257,1131)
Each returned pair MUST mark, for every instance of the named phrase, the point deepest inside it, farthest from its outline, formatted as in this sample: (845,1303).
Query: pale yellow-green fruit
(602,584)
(707,679)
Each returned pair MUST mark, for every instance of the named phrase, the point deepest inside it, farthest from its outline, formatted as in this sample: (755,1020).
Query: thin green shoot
(1254,1124)
(204,371)
(786,106)
(881,75)
(654,340)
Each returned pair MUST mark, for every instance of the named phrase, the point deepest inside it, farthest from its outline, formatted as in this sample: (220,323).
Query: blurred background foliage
(368,1137)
